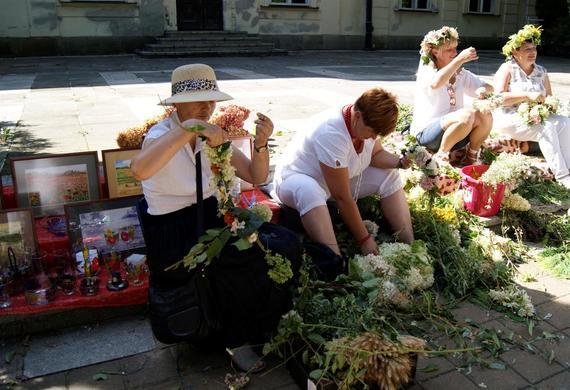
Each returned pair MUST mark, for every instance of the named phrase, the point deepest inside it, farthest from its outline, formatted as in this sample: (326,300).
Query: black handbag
(183,313)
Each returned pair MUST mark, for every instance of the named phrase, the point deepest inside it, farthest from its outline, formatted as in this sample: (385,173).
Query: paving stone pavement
(70,104)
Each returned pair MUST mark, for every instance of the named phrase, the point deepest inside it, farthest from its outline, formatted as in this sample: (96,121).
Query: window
(481,6)
(415,4)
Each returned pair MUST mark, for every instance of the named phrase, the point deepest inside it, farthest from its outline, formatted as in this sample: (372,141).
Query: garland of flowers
(436,38)
(489,103)
(527,33)
(241,223)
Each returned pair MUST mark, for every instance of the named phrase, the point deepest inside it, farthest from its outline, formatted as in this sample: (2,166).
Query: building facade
(44,27)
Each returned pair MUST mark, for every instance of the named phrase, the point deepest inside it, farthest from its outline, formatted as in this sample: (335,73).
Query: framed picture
(47,183)
(16,232)
(108,225)
(118,176)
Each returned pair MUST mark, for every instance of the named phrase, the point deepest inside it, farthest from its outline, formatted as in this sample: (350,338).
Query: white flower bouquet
(489,103)
(514,298)
(532,113)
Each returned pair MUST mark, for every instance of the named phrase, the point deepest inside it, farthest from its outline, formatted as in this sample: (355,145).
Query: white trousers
(553,138)
(304,193)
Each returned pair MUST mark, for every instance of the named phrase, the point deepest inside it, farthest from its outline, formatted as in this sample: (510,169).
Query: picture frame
(118,176)
(107,225)
(17,231)
(46,183)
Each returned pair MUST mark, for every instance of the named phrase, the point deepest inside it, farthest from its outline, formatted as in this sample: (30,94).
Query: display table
(133,295)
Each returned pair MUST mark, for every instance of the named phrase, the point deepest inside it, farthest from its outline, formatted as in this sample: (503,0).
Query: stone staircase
(208,43)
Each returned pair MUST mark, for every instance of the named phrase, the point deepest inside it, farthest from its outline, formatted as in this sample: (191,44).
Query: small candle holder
(117,283)
(67,284)
(89,285)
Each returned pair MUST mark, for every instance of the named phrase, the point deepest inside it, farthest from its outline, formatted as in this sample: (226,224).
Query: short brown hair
(379,110)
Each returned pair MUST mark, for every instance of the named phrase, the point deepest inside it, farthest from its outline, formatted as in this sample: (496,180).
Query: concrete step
(185,45)
(245,52)
(208,43)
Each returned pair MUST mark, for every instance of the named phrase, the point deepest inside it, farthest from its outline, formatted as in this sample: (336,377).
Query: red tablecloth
(132,295)
(258,196)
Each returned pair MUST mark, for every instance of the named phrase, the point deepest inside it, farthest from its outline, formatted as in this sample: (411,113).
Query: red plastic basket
(478,198)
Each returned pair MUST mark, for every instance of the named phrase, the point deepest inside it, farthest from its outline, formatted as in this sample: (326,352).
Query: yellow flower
(445,214)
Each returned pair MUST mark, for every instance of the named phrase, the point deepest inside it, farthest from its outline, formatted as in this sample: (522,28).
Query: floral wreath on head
(436,38)
(527,33)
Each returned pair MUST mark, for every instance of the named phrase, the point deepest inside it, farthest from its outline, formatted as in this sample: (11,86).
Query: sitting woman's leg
(482,125)
(304,194)
(397,213)
(554,142)
(456,126)
(387,184)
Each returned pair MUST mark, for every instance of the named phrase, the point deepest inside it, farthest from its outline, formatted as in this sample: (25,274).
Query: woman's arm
(339,185)
(256,170)
(443,75)
(502,80)
(157,153)
(547,85)
(381,158)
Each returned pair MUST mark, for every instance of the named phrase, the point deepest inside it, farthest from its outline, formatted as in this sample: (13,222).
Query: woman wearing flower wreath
(247,303)
(440,121)
(520,81)
(340,157)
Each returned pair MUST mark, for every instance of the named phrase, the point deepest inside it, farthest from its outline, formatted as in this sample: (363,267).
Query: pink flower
(427,183)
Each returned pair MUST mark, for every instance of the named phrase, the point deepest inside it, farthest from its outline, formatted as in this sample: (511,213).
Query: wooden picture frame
(108,225)
(17,231)
(118,176)
(46,183)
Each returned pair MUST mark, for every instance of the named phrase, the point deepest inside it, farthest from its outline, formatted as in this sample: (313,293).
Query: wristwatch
(261,149)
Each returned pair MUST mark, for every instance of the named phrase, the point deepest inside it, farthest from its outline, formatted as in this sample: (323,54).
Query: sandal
(245,359)
(471,157)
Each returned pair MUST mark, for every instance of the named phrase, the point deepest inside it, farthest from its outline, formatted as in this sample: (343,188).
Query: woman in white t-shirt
(440,122)
(340,157)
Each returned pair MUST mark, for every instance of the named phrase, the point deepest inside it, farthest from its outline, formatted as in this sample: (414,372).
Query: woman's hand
(535,97)
(481,92)
(369,246)
(215,135)
(263,130)
(467,55)
(404,162)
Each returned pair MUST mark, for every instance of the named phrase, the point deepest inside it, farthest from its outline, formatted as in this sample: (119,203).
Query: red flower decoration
(229,218)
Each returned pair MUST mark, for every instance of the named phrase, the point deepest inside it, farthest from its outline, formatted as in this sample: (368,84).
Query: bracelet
(364,239)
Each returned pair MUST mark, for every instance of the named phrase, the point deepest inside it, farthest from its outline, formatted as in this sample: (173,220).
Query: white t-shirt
(173,187)
(430,104)
(325,140)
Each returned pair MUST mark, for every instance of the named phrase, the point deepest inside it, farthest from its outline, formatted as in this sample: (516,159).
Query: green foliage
(543,191)
(405,116)
(557,260)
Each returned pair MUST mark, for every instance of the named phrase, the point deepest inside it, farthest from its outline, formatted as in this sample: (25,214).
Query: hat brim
(196,96)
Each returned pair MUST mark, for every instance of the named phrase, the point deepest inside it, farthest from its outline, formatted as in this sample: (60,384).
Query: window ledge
(100,1)
(481,13)
(421,10)
(290,6)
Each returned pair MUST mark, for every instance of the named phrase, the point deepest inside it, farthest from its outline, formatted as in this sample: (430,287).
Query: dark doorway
(194,15)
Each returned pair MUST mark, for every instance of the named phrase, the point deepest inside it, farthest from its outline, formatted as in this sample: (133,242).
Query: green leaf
(305,357)
(497,366)
(316,338)
(100,376)
(372,283)
(9,356)
(530,327)
(316,374)
(242,244)
(551,356)
(429,368)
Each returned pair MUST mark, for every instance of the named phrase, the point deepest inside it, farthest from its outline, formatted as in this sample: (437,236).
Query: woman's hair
(379,110)
(528,33)
(436,38)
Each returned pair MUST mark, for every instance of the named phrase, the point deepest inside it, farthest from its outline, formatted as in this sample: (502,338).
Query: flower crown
(436,38)
(527,33)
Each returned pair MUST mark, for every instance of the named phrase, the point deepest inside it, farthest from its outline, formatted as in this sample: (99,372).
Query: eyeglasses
(451,93)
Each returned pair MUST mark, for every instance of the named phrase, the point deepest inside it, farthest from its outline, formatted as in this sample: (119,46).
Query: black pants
(247,303)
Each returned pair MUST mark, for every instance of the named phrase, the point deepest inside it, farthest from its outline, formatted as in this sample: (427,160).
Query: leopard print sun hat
(195,83)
